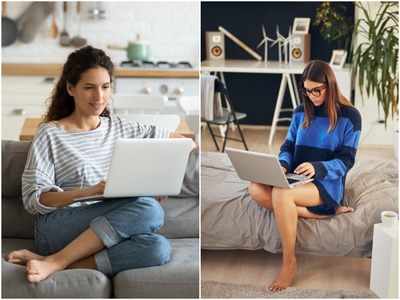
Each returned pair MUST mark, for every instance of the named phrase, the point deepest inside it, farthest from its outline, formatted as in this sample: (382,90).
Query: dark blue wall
(253,93)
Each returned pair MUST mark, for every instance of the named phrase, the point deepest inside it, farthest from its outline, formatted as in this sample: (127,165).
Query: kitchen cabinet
(27,96)
(22,97)
(172,88)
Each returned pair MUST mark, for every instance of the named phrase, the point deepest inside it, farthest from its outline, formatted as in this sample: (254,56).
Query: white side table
(384,265)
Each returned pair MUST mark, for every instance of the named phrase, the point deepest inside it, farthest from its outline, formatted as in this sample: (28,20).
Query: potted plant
(335,27)
(375,60)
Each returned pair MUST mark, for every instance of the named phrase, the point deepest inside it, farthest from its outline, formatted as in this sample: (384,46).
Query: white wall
(172,29)
(373,133)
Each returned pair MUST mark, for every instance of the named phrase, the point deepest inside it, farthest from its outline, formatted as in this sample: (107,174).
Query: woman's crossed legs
(288,205)
(111,236)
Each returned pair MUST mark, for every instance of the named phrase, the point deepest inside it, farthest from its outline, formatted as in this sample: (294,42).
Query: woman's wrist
(82,193)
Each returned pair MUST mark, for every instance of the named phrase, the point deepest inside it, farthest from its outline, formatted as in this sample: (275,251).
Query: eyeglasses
(316,92)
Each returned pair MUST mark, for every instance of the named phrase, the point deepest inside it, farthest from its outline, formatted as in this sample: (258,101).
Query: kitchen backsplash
(171,28)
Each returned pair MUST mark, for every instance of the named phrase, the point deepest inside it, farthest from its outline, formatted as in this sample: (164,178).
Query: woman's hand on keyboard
(97,189)
(305,169)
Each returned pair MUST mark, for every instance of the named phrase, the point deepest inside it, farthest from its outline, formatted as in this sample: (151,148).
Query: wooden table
(31,125)
(288,72)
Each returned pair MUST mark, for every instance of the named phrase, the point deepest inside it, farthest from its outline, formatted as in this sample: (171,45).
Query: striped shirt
(59,160)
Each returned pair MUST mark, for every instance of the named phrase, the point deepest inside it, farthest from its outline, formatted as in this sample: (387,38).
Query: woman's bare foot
(38,270)
(21,257)
(344,209)
(285,276)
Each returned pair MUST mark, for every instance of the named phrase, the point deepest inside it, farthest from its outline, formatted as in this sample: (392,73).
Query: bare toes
(344,209)
(33,278)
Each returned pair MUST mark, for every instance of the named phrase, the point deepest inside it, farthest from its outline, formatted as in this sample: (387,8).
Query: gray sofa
(177,279)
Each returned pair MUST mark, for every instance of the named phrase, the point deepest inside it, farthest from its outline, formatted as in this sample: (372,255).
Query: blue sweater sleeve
(344,156)
(288,146)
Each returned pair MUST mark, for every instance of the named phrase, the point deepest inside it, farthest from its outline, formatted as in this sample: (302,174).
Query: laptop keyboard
(292,178)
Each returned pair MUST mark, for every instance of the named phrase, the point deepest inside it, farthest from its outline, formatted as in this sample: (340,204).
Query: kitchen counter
(31,125)
(54,69)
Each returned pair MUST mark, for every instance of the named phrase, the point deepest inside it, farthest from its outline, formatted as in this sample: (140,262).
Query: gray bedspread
(231,220)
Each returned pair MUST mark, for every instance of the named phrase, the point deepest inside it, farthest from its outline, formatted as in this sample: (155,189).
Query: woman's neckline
(76,131)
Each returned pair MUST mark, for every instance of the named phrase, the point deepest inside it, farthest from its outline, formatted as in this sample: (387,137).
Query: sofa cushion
(181,218)
(17,222)
(77,283)
(13,159)
(176,279)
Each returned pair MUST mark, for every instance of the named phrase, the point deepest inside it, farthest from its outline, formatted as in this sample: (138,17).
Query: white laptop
(263,168)
(146,167)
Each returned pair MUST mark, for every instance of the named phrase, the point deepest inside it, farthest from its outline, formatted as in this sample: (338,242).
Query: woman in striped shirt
(68,159)
(321,143)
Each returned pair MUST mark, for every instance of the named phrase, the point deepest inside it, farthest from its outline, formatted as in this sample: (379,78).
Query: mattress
(232,220)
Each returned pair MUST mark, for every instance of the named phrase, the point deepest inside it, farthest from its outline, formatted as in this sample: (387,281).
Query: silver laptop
(146,167)
(263,168)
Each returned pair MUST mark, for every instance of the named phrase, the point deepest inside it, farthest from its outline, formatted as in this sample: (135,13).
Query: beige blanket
(231,220)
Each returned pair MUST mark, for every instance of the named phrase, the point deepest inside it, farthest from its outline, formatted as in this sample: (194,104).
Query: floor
(260,267)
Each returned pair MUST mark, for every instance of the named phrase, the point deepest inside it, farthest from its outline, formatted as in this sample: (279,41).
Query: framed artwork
(301,25)
(338,58)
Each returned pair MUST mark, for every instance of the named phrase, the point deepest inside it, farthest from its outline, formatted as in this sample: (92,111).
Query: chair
(226,117)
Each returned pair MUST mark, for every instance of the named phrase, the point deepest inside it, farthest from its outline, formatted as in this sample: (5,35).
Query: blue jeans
(126,227)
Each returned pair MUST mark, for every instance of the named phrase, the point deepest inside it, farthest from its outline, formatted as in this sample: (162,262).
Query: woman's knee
(150,206)
(261,194)
(150,211)
(280,196)
(137,215)
(159,252)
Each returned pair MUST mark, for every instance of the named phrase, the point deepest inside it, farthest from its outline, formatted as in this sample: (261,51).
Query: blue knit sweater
(331,153)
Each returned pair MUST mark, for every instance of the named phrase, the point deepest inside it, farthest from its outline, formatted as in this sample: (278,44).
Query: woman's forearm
(61,199)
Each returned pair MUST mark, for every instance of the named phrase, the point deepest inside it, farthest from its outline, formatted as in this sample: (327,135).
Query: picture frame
(338,58)
(301,25)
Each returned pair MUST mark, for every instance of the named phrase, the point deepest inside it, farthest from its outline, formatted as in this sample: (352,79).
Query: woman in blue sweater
(321,143)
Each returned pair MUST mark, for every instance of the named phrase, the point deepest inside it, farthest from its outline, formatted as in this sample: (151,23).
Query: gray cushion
(77,283)
(13,159)
(9,245)
(181,218)
(177,279)
(17,222)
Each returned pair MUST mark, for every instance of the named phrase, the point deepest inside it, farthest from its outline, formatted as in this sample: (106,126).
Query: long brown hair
(320,71)
(62,104)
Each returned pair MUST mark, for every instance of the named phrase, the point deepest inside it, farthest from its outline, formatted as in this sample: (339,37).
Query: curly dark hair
(61,103)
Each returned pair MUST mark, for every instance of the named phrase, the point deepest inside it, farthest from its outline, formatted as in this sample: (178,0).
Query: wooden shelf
(13,69)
